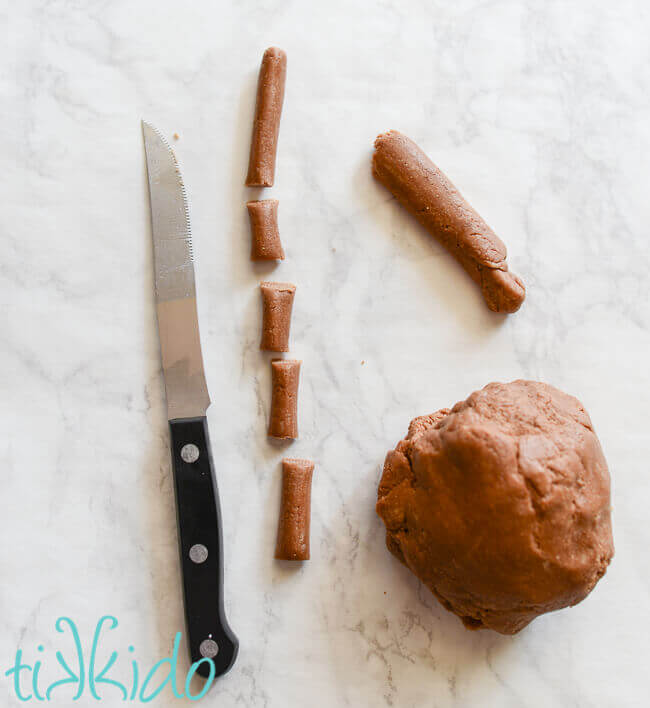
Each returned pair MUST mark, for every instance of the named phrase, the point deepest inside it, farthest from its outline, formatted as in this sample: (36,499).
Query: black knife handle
(201,548)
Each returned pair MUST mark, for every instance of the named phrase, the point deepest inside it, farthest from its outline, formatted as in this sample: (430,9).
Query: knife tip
(151,133)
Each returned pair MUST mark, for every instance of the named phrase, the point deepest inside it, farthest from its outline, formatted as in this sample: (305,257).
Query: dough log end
(503,290)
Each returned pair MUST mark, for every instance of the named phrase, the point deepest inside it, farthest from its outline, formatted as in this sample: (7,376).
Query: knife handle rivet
(189,453)
(208,648)
(198,553)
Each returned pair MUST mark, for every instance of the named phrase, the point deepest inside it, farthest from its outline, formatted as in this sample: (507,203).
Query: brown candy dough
(295,510)
(266,125)
(285,375)
(501,505)
(265,235)
(277,303)
(420,187)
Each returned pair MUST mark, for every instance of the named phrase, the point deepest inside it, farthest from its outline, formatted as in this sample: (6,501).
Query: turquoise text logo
(81,674)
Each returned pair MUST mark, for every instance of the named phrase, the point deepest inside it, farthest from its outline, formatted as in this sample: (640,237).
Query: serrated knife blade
(212,645)
(178,325)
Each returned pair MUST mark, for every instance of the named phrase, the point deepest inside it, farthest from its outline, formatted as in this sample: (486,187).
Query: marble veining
(538,111)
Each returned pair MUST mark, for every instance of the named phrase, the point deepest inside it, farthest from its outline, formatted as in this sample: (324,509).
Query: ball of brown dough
(501,505)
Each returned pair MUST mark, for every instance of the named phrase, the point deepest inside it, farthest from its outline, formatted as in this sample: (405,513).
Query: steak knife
(197,501)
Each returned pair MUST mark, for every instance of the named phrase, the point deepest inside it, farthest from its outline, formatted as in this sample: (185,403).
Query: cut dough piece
(277,304)
(295,510)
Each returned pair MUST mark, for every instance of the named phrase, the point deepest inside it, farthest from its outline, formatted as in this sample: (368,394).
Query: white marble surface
(539,112)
